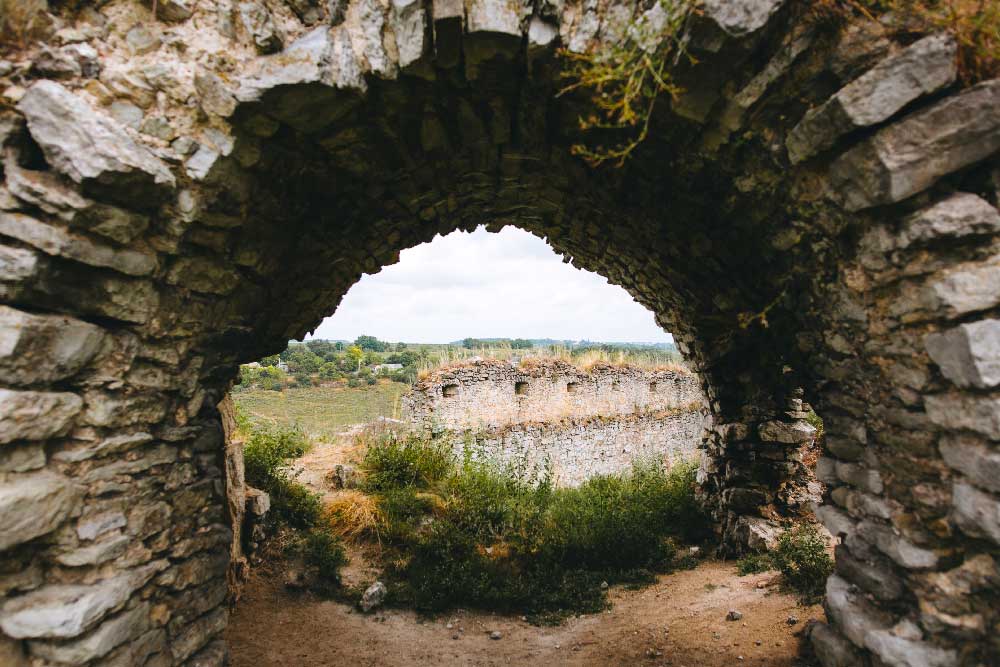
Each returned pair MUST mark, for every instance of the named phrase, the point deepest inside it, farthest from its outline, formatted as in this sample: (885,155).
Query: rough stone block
(62,243)
(36,415)
(832,649)
(44,348)
(912,154)
(860,476)
(961,411)
(110,634)
(203,275)
(922,68)
(88,146)
(976,512)
(34,504)
(854,616)
(967,289)
(872,576)
(899,549)
(789,433)
(196,635)
(898,651)
(969,354)
(68,610)
(835,521)
(960,215)
(973,457)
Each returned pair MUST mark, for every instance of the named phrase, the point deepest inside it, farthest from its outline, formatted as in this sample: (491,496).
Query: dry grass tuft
(20,20)
(353,514)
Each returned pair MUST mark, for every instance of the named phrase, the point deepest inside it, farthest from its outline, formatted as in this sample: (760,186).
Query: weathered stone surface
(960,411)
(969,354)
(68,610)
(967,289)
(174,10)
(95,554)
(960,215)
(373,596)
(35,415)
(789,433)
(740,17)
(922,68)
(109,634)
(257,21)
(873,576)
(44,348)
(909,156)
(973,457)
(85,145)
(832,649)
(854,615)
(976,512)
(408,21)
(198,634)
(202,275)
(34,504)
(213,95)
(905,652)
(902,551)
(61,243)
(860,476)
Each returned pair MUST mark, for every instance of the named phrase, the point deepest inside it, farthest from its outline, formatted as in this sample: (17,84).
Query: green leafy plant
(266,454)
(801,557)
(471,531)
(626,79)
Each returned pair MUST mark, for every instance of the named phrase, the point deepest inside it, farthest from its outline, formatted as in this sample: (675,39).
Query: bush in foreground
(477,533)
(801,557)
(266,456)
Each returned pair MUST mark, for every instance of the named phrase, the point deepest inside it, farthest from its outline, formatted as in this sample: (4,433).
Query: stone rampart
(551,413)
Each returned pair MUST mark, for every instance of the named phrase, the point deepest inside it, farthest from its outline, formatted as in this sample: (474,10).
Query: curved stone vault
(814,218)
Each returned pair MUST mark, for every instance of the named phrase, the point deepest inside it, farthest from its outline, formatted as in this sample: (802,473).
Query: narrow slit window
(449,390)
(520,388)
(571,387)
(652,387)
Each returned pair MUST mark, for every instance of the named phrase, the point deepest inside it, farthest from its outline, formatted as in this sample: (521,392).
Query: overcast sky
(505,285)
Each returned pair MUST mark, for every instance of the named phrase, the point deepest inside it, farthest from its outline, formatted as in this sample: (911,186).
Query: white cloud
(509,284)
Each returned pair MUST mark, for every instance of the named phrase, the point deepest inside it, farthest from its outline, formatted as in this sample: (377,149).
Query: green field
(322,412)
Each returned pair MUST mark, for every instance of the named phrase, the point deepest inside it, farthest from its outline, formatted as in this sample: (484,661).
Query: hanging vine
(625,80)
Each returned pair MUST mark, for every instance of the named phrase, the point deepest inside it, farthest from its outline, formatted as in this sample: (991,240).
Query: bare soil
(679,621)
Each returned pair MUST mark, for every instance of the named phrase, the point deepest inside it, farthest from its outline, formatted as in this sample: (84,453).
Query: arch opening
(793,236)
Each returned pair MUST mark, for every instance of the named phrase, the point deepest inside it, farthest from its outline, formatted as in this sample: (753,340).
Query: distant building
(282,366)
(388,368)
(253,364)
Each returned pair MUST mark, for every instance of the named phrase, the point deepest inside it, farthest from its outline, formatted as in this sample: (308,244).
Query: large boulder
(89,147)
(911,155)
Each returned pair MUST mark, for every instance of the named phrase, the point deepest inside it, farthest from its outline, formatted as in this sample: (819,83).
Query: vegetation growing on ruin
(470,532)
(975,25)
(267,453)
(802,558)
(625,81)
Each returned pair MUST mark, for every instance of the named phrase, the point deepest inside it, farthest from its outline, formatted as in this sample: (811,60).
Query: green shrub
(394,462)
(802,558)
(265,457)
(755,563)
(323,551)
(499,536)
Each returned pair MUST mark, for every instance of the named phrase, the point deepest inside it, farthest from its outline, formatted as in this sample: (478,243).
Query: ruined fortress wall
(492,393)
(582,423)
(578,449)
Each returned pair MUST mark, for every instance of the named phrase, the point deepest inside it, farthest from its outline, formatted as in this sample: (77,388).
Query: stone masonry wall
(551,413)
(813,216)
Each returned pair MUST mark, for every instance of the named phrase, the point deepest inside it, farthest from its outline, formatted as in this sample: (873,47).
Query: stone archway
(850,250)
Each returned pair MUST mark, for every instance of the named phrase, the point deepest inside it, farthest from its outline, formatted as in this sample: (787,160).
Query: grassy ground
(321,412)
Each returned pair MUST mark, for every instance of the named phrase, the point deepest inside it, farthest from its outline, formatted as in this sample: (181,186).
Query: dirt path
(680,621)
